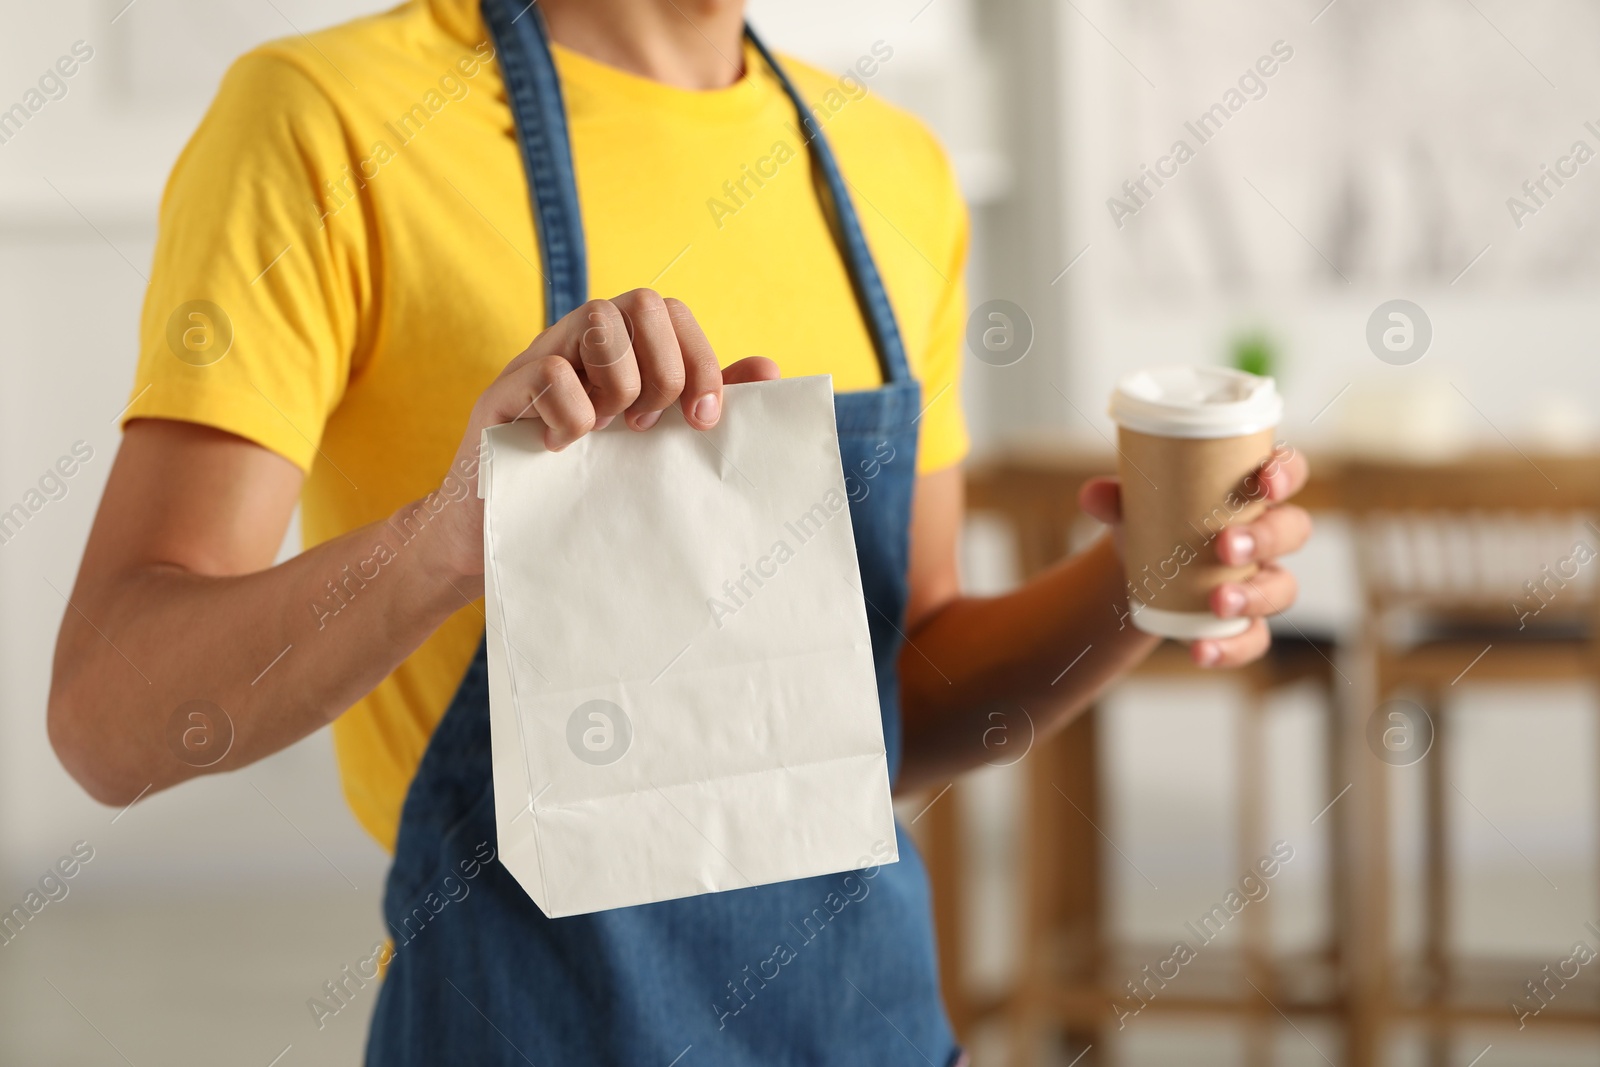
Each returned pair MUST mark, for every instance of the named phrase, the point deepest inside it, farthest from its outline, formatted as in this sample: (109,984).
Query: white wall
(1377,165)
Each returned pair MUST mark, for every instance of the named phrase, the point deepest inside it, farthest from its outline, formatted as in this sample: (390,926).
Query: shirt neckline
(463,20)
(582,74)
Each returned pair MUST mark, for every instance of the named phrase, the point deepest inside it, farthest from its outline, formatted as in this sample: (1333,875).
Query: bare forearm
(282,652)
(1039,654)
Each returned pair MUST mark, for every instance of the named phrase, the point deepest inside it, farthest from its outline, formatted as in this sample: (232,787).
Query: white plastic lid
(1183,401)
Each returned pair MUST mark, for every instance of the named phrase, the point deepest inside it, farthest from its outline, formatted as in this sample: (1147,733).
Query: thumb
(1101,499)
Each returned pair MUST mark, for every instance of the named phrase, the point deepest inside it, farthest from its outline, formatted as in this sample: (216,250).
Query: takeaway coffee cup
(1191,439)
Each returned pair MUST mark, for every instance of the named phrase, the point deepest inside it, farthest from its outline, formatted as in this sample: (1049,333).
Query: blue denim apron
(831,970)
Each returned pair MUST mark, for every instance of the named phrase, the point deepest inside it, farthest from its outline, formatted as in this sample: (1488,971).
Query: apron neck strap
(534,90)
(522,46)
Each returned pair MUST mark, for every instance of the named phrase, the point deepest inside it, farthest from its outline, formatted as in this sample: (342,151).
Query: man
(349,259)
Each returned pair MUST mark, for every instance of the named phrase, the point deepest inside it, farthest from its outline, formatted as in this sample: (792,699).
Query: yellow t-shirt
(347,258)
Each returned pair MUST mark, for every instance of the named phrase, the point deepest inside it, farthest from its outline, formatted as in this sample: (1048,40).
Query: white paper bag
(682,695)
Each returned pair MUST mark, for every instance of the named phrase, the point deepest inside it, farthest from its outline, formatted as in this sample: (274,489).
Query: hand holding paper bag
(625,359)
(682,690)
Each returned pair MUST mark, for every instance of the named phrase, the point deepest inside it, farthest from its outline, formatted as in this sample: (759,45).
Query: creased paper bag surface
(682,695)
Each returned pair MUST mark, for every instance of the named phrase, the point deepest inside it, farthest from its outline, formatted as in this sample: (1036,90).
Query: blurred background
(1423,741)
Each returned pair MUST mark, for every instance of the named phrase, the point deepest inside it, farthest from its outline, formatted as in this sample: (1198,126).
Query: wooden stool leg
(1367,848)
(1436,885)
(945,856)
(1041,823)
(1252,845)
(1063,929)
(1339,826)
(1083,913)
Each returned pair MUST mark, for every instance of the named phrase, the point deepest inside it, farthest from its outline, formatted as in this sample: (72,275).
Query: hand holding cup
(1198,511)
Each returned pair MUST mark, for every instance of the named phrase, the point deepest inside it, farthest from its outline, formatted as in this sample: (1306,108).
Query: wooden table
(1035,492)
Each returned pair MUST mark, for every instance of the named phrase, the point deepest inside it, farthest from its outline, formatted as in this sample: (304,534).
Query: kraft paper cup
(1191,439)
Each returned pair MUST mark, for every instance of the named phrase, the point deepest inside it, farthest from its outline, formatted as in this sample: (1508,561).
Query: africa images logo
(1399,332)
(599,732)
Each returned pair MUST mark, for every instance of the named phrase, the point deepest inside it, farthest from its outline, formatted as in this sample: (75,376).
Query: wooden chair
(1443,551)
(1070,969)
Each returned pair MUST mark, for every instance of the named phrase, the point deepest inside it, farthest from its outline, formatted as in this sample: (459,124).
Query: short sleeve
(260,281)
(944,441)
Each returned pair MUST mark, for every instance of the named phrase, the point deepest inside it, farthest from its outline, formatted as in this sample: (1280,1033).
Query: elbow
(79,743)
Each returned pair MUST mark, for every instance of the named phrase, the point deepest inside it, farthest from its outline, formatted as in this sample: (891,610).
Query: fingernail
(647,420)
(602,423)
(706,408)
(1207,653)
(1243,546)
(1230,601)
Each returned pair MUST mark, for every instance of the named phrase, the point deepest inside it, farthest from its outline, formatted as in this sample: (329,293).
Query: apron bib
(829,970)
